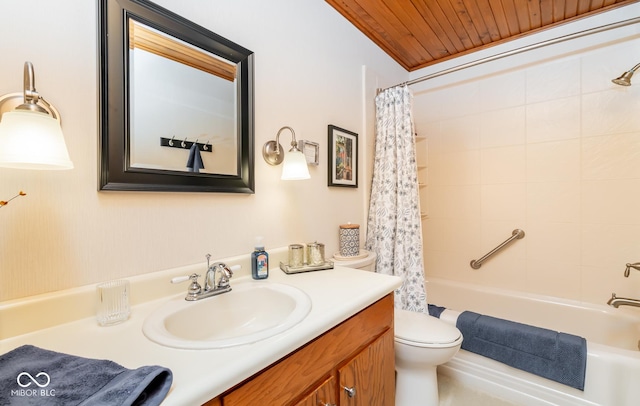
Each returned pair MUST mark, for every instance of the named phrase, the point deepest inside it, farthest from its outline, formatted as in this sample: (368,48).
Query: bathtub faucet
(622,301)
(627,270)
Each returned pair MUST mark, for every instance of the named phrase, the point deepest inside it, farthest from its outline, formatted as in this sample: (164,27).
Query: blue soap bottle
(259,261)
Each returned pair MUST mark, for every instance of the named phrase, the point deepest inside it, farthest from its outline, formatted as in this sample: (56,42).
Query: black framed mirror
(176,103)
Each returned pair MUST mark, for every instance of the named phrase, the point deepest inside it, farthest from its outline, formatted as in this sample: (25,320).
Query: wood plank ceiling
(419,33)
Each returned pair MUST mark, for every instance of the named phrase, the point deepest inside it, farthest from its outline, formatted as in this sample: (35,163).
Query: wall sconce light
(295,163)
(30,132)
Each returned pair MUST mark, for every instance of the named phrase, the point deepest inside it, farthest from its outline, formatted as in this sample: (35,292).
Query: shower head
(625,79)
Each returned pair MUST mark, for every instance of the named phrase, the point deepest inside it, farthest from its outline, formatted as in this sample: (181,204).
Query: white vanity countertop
(200,375)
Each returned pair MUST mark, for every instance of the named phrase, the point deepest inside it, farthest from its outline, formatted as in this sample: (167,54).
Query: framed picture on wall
(343,157)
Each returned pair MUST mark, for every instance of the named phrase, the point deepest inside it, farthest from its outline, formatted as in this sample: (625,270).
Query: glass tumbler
(113,302)
(296,255)
(315,253)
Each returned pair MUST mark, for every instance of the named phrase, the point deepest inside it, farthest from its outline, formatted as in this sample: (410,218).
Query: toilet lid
(423,330)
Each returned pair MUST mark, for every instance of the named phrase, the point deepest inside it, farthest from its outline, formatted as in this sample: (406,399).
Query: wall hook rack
(184,144)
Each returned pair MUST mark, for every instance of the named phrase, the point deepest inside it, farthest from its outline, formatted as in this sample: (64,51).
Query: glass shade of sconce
(30,133)
(294,163)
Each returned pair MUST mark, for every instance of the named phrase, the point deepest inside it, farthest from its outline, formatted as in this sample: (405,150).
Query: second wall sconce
(30,133)
(294,163)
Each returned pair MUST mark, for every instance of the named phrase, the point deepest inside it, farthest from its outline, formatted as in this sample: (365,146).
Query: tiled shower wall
(545,143)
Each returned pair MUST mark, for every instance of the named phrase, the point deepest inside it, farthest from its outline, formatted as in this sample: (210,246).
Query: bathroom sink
(250,312)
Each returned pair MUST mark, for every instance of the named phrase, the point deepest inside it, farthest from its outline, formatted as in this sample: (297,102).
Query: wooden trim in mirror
(151,41)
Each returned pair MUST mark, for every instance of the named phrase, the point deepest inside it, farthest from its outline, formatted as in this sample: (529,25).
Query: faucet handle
(226,273)
(194,288)
(627,270)
(180,279)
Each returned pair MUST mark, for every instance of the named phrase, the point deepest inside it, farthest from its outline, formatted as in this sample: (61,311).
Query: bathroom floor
(453,393)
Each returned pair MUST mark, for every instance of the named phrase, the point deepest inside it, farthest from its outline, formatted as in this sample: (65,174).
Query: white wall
(541,141)
(64,233)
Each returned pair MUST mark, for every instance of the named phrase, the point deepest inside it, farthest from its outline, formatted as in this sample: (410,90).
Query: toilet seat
(423,330)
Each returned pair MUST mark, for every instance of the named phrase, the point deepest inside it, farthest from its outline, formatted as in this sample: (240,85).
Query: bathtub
(613,359)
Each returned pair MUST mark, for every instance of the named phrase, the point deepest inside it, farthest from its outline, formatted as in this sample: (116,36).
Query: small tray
(305,268)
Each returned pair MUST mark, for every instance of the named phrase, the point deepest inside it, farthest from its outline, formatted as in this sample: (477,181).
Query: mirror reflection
(180,96)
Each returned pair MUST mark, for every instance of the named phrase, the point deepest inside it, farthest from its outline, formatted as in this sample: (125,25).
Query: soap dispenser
(259,261)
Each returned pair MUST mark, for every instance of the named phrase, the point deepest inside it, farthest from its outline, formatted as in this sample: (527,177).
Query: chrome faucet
(211,288)
(210,277)
(622,301)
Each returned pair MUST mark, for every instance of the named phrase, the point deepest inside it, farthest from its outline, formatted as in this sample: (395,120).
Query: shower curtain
(394,229)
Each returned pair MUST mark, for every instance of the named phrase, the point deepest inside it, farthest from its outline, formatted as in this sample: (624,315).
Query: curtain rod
(516,51)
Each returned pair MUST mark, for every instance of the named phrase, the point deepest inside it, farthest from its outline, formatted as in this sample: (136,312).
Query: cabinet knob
(351,392)
(321,403)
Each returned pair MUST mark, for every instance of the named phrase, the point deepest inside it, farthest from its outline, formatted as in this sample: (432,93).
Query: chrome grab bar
(517,234)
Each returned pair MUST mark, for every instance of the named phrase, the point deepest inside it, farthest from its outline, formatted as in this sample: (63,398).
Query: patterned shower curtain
(394,229)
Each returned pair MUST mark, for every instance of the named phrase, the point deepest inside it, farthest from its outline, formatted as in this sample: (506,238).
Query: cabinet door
(214,402)
(369,378)
(324,395)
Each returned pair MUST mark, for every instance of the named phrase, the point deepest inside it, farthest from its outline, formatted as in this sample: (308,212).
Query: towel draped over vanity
(34,376)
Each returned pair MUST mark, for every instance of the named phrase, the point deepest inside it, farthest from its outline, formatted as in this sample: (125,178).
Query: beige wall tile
(504,202)
(553,120)
(454,201)
(504,127)
(502,91)
(564,165)
(503,165)
(554,279)
(610,245)
(461,134)
(553,201)
(553,161)
(611,201)
(554,242)
(615,156)
(552,81)
(611,111)
(456,168)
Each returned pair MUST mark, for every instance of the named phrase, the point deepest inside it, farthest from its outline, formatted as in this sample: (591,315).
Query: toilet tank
(365,260)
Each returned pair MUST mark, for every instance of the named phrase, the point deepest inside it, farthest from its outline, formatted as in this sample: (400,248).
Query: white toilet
(422,342)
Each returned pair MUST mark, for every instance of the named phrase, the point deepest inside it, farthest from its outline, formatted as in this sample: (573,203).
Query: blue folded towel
(194,162)
(434,310)
(33,376)
(557,356)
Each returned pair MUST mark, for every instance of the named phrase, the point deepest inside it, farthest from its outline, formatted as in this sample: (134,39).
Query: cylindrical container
(315,253)
(349,240)
(296,255)
(113,302)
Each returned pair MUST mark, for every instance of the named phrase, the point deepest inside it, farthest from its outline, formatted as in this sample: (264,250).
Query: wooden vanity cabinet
(324,395)
(364,379)
(356,356)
